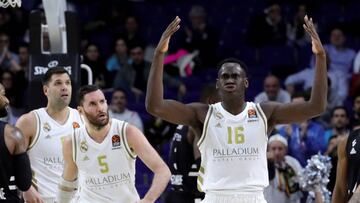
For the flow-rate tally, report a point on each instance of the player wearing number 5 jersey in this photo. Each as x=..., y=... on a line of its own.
x=234, y=132
x=102, y=156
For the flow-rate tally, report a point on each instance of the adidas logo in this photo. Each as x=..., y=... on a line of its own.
x=353, y=149
x=47, y=136
x=218, y=125
x=86, y=158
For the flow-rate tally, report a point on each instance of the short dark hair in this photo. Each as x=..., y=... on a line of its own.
x=53, y=71
x=119, y=89
x=86, y=89
x=232, y=60
x=337, y=108
x=208, y=92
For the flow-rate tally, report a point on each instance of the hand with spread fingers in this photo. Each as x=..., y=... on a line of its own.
x=309, y=27
x=163, y=44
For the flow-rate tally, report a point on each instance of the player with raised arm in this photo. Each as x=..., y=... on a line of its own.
x=234, y=132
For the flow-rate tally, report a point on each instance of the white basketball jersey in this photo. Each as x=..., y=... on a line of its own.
x=233, y=150
x=107, y=169
x=45, y=150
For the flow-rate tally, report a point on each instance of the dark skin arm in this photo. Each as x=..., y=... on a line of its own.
x=170, y=110
x=14, y=140
x=300, y=111
x=340, y=189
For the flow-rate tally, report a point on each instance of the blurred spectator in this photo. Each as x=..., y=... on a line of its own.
x=92, y=58
x=339, y=123
x=132, y=35
x=134, y=77
x=305, y=139
x=8, y=59
x=118, y=109
x=337, y=92
x=15, y=95
x=284, y=187
x=356, y=67
x=24, y=56
x=200, y=36
x=273, y=91
x=295, y=31
x=341, y=58
x=355, y=119
x=269, y=28
x=120, y=58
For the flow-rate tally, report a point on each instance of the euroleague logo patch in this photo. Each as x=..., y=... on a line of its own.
x=115, y=139
x=252, y=115
x=75, y=125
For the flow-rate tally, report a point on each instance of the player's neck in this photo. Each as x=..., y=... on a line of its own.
x=97, y=133
x=233, y=106
x=58, y=114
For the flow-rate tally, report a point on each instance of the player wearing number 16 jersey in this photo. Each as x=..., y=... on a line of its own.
x=102, y=155
x=233, y=143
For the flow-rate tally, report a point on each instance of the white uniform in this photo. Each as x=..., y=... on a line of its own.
x=45, y=151
x=107, y=169
x=233, y=155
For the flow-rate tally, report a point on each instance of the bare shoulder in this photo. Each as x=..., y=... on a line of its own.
x=15, y=140
x=27, y=124
x=200, y=109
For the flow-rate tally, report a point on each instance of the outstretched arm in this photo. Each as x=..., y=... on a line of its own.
x=68, y=180
x=152, y=160
x=170, y=110
x=296, y=112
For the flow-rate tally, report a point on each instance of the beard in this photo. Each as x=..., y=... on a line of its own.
x=97, y=121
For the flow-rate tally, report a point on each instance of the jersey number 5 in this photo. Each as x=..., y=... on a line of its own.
x=104, y=166
x=236, y=134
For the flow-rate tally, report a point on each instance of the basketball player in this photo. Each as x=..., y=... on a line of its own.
x=45, y=129
x=103, y=153
x=15, y=171
x=348, y=170
x=234, y=132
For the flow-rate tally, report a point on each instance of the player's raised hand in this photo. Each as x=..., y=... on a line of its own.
x=309, y=27
x=163, y=44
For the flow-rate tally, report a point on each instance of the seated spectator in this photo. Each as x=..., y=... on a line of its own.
x=8, y=59
x=200, y=36
x=132, y=35
x=118, y=109
x=341, y=59
x=268, y=29
x=295, y=31
x=337, y=91
x=92, y=59
x=273, y=91
x=120, y=58
x=305, y=139
x=284, y=187
x=134, y=77
x=339, y=123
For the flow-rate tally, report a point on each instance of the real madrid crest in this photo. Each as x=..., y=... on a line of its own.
x=83, y=146
x=46, y=127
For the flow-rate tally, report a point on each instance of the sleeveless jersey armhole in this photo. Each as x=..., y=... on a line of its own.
x=205, y=128
x=262, y=116
x=38, y=129
x=122, y=129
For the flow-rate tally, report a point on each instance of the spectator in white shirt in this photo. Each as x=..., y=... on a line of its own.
x=273, y=91
x=118, y=109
